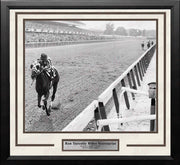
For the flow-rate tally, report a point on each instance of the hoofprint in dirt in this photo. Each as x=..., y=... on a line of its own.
x=86, y=70
x=139, y=107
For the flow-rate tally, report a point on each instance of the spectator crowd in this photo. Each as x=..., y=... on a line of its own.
x=56, y=32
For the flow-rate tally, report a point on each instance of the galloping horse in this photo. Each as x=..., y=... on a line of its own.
x=43, y=84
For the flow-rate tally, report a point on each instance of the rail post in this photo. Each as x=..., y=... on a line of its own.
x=144, y=66
x=146, y=56
x=116, y=102
x=130, y=84
x=141, y=66
x=125, y=95
x=152, y=95
x=96, y=116
x=145, y=62
x=140, y=74
x=137, y=77
x=133, y=79
x=102, y=113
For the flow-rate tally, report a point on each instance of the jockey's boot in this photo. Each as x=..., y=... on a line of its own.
x=53, y=73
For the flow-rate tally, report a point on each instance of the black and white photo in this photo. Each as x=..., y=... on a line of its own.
x=70, y=64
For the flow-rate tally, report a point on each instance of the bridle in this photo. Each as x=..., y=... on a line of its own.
x=36, y=68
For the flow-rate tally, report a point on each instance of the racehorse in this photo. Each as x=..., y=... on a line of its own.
x=44, y=84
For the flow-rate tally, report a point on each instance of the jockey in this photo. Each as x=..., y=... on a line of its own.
x=46, y=64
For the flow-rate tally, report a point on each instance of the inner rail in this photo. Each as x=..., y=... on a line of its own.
x=134, y=74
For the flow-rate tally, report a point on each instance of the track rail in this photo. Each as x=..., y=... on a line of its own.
x=134, y=74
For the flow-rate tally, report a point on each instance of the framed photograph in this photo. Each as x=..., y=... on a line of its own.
x=92, y=81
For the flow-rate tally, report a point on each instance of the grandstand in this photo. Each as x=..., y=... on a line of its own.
x=57, y=31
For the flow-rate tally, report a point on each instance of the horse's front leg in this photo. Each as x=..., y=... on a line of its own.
x=39, y=100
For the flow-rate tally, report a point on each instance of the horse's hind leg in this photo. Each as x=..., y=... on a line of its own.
x=39, y=100
x=45, y=103
x=54, y=91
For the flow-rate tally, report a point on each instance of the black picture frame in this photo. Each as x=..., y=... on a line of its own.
x=98, y=4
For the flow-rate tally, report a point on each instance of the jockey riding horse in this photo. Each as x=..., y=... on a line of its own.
x=46, y=64
x=46, y=76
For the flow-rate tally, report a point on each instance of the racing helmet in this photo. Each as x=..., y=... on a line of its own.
x=44, y=57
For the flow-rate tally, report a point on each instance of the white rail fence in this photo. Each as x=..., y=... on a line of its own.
x=82, y=120
x=104, y=122
x=134, y=76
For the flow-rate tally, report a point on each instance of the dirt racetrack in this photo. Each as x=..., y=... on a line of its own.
x=86, y=70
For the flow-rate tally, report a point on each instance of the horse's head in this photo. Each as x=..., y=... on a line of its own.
x=35, y=69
